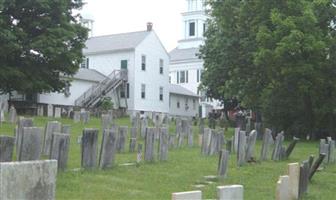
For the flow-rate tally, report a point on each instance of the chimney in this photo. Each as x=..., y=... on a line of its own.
x=149, y=26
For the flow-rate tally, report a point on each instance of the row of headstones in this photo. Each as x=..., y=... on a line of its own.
x=212, y=141
x=83, y=116
x=11, y=115
x=295, y=184
x=327, y=147
x=229, y=192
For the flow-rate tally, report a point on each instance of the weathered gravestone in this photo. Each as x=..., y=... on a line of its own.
x=223, y=163
x=121, y=140
x=12, y=115
x=2, y=116
x=171, y=140
x=22, y=122
x=266, y=144
x=324, y=149
x=6, y=148
x=293, y=181
x=30, y=145
x=252, y=138
x=77, y=116
x=236, y=139
x=278, y=148
x=191, y=195
x=143, y=128
x=282, y=188
x=213, y=143
x=230, y=192
x=316, y=165
x=206, y=140
x=58, y=112
x=241, y=148
x=229, y=145
x=133, y=139
x=66, y=129
x=60, y=145
x=85, y=116
x=105, y=121
x=304, y=178
x=201, y=126
x=163, y=144
x=89, y=148
x=51, y=128
x=291, y=146
x=28, y=180
x=50, y=110
x=108, y=148
x=221, y=140
x=149, y=144
x=331, y=157
x=190, y=136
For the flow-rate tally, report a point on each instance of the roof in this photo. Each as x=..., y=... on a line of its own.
x=184, y=54
x=115, y=42
x=177, y=89
x=89, y=75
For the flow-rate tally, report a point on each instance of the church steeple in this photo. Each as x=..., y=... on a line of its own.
x=193, y=24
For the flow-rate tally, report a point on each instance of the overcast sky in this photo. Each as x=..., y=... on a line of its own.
x=119, y=16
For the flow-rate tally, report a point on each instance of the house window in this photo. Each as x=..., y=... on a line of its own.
x=192, y=29
x=178, y=77
x=186, y=106
x=143, y=62
x=199, y=75
x=85, y=63
x=187, y=76
x=122, y=91
x=127, y=91
x=178, y=104
x=143, y=91
x=123, y=64
x=161, y=66
x=204, y=28
x=161, y=94
x=169, y=79
x=184, y=76
x=194, y=104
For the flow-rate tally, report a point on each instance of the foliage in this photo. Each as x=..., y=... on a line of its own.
x=106, y=103
x=276, y=57
x=41, y=42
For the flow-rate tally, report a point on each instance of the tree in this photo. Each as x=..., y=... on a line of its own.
x=276, y=57
x=41, y=42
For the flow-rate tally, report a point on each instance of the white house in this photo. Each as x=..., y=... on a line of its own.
x=185, y=67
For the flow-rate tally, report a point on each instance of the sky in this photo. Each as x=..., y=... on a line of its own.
x=120, y=16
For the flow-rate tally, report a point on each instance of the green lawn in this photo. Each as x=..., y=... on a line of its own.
x=184, y=168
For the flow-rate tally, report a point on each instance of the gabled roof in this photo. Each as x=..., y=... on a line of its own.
x=115, y=42
x=184, y=54
x=177, y=89
x=89, y=75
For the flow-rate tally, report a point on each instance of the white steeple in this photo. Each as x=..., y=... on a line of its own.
x=193, y=23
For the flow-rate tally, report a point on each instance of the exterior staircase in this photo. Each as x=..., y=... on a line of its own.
x=96, y=93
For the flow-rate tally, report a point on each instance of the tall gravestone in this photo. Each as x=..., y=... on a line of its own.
x=108, y=148
x=293, y=181
x=223, y=163
x=50, y=110
x=163, y=144
x=252, y=138
x=51, y=128
x=121, y=140
x=77, y=116
x=236, y=139
x=85, y=116
x=149, y=144
x=266, y=144
x=60, y=145
x=133, y=139
x=105, y=121
x=277, y=151
x=22, y=122
x=89, y=148
x=144, y=125
x=206, y=140
x=58, y=112
x=12, y=115
x=6, y=148
x=28, y=180
x=30, y=145
x=190, y=136
x=241, y=148
x=282, y=188
x=304, y=178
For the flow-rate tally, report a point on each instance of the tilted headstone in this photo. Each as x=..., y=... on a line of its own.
x=223, y=163
x=28, y=180
x=51, y=127
x=30, y=145
x=163, y=144
x=12, y=115
x=266, y=144
x=241, y=148
x=291, y=146
x=230, y=192
x=236, y=138
x=22, y=122
x=294, y=178
x=282, y=188
x=311, y=161
x=133, y=139
x=149, y=144
x=304, y=175
x=89, y=148
x=60, y=145
x=121, y=140
x=108, y=148
x=316, y=165
x=77, y=116
x=66, y=129
x=252, y=138
x=6, y=148
x=277, y=151
x=194, y=195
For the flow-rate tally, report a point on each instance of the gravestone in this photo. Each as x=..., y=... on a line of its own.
x=60, y=145
x=293, y=181
x=229, y=146
x=58, y=112
x=105, y=120
x=316, y=165
x=30, y=145
x=282, y=189
x=89, y=148
x=149, y=144
x=252, y=138
x=331, y=151
x=230, y=192
x=304, y=178
x=191, y=195
x=223, y=163
x=171, y=141
x=77, y=116
x=184, y=126
x=51, y=127
x=133, y=139
x=235, y=141
x=163, y=144
x=121, y=140
x=66, y=129
x=12, y=115
x=144, y=125
x=85, y=116
x=277, y=151
x=139, y=154
x=6, y=148
x=241, y=148
x=2, y=116
x=291, y=146
x=22, y=122
x=40, y=110
x=50, y=110
x=206, y=140
x=28, y=180
x=190, y=137
x=213, y=143
x=108, y=148
x=324, y=149
x=311, y=160
x=266, y=144
x=221, y=140
x=201, y=126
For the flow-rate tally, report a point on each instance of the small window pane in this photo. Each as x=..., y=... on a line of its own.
x=143, y=62
x=143, y=91
x=192, y=29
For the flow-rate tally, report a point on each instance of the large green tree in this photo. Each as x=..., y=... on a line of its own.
x=276, y=57
x=41, y=41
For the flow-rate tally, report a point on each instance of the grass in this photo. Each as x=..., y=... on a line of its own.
x=185, y=167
